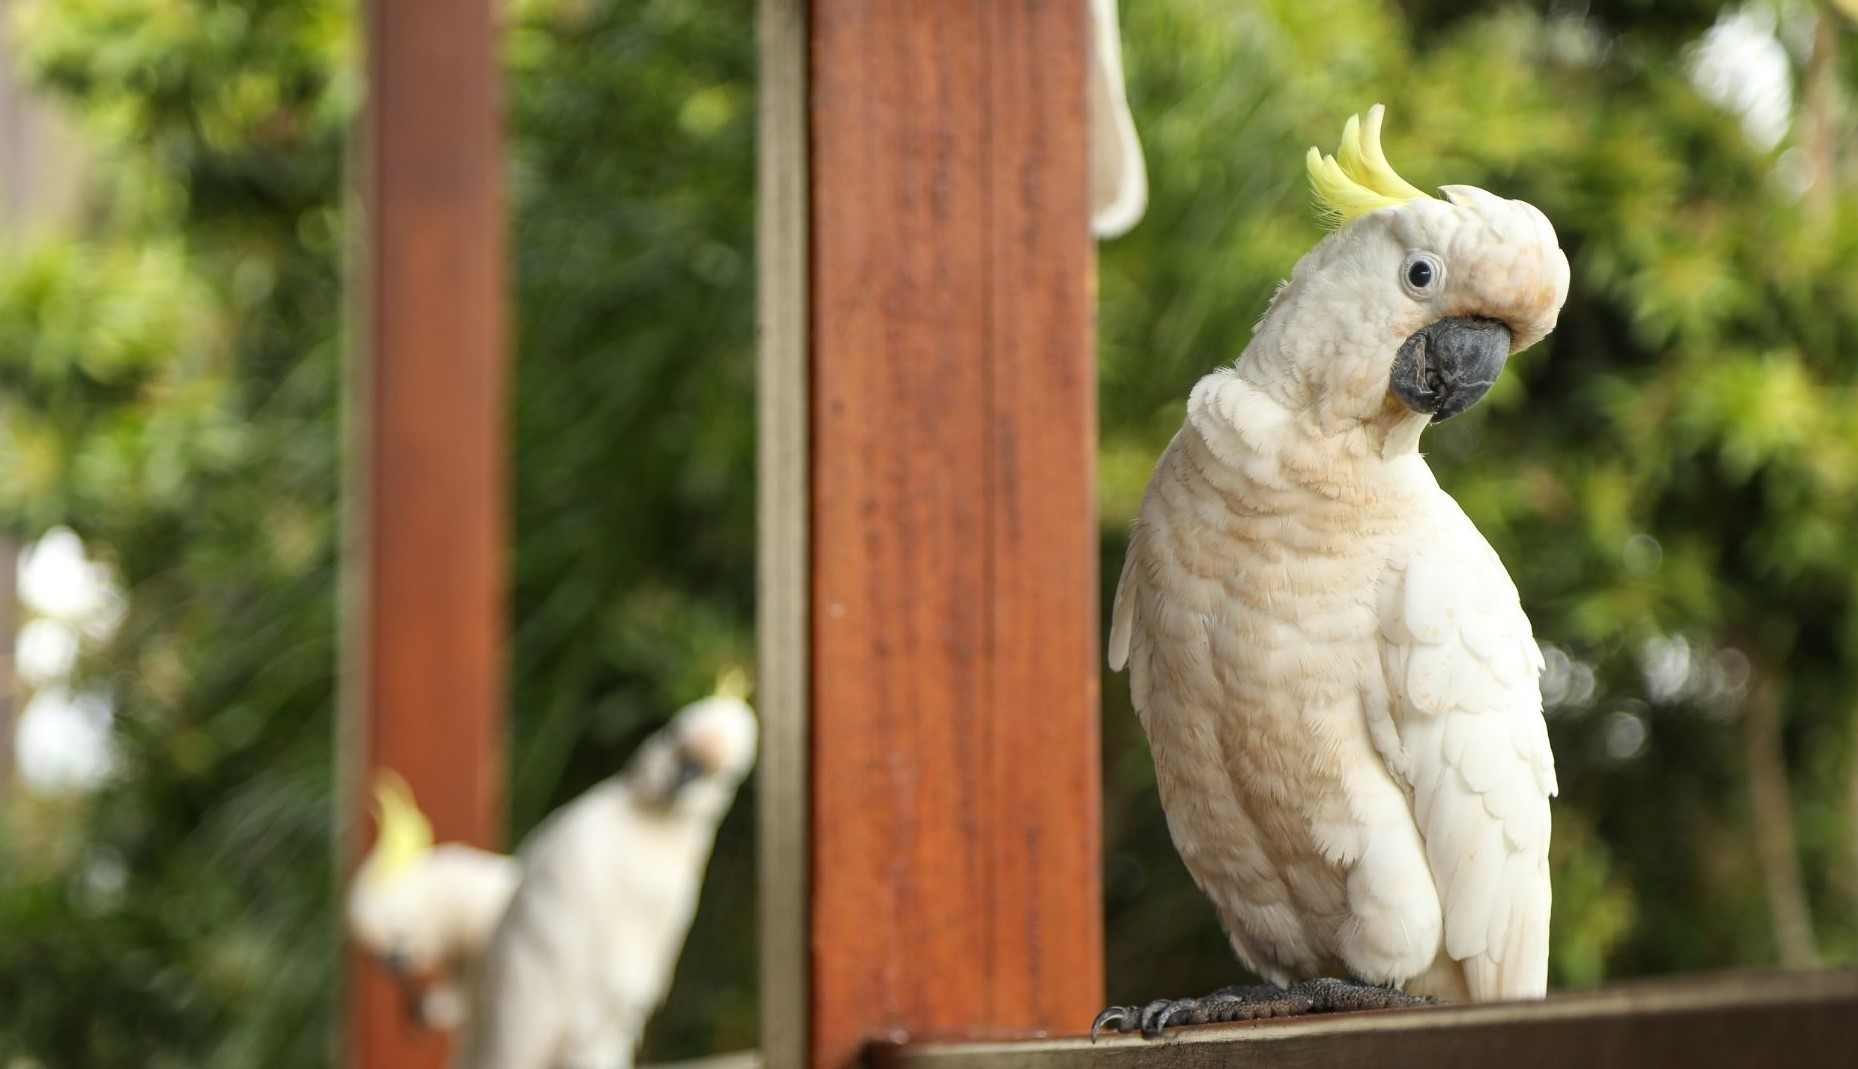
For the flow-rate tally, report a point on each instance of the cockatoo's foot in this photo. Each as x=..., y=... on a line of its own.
x=1253, y=1003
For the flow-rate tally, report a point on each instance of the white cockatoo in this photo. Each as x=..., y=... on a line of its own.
x=1118, y=178
x=586, y=949
x=1333, y=669
x=426, y=912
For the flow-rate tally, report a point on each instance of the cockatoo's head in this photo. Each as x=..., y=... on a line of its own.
x=1406, y=314
x=385, y=909
x=694, y=764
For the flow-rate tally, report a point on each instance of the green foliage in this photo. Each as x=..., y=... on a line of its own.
x=634, y=131
x=169, y=388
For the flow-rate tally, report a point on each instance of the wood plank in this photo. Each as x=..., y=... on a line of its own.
x=782, y=514
x=425, y=650
x=954, y=724
x=1726, y=1021
x=746, y=1059
x=1042, y=477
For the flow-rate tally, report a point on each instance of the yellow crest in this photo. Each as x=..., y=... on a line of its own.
x=1357, y=179
x=404, y=834
x=734, y=683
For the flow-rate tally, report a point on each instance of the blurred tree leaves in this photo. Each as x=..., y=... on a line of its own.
x=634, y=132
x=169, y=383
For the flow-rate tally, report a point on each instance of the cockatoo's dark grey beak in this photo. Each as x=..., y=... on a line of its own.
x=1445, y=367
x=689, y=770
x=679, y=768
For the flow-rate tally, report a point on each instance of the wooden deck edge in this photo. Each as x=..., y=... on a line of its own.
x=1727, y=1019
x=742, y=1059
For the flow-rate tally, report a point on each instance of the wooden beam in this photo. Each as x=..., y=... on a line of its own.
x=954, y=799
x=782, y=515
x=424, y=651
x=1730, y=1021
x=744, y=1059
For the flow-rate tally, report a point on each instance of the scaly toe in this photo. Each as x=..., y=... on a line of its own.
x=1153, y=1012
x=1176, y=1011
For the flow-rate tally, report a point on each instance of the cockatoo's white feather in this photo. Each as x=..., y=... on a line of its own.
x=1464, y=671
x=1336, y=677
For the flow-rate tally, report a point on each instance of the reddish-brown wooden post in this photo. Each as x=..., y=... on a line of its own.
x=950, y=717
x=425, y=647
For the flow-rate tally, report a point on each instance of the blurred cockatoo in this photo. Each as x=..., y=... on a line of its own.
x=1119, y=181
x=1333, y=668
x=586, y=949
x=426, y=912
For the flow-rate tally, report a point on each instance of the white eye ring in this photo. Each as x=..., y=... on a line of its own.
x=1421, y=274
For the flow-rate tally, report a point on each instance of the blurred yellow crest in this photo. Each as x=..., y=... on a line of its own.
x=1357, y=179
x=734, y=683
x=405, y=835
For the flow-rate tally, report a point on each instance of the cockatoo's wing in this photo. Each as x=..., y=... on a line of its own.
x=1465, y=731
x=1119, y=179
x=1148, y=539
x=1122, y=615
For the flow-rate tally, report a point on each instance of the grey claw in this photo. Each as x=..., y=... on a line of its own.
x=1117, y=1017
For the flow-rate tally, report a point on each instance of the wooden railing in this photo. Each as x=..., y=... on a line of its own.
x=1783, y=1020
x=1803, y=1020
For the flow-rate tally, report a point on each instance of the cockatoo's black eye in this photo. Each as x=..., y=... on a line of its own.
x=1421, y=273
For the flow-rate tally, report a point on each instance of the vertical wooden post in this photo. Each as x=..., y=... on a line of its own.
x=782, y=503
x=425, y=647
x=953, y=790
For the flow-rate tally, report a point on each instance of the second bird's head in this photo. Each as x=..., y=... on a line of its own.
x=386, y=911
x=694, y=764
x=1407, y=313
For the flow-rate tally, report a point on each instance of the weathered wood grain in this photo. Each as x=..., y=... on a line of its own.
x=424, y=653
x=783, y=579
x=954, y=799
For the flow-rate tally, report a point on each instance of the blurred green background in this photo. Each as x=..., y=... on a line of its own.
x=1672, y=478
